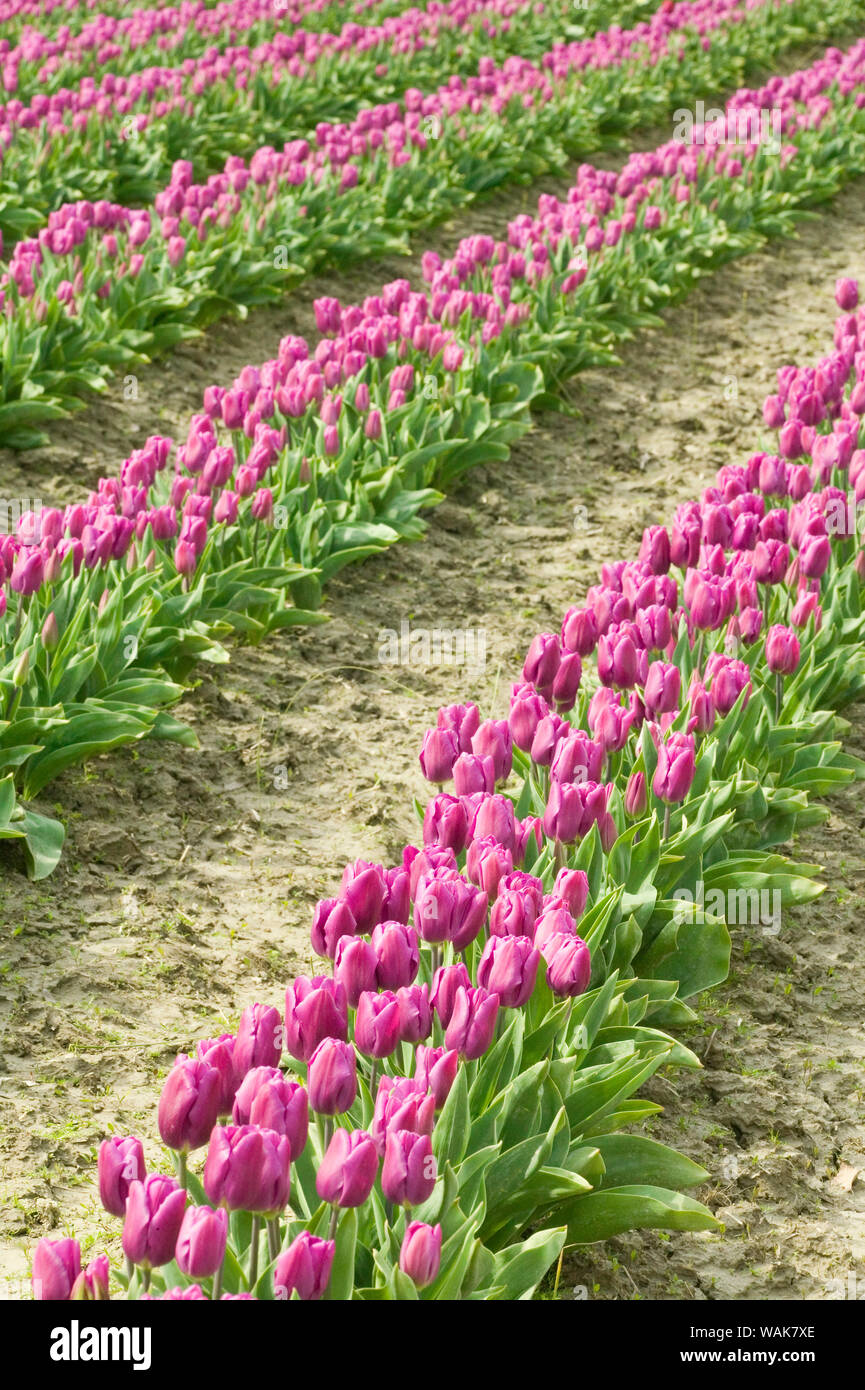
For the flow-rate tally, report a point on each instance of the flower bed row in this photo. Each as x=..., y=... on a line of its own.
x=116, y=138
x=103, y=285
x=462, y=1073
x=332, y=455
x=34, y=60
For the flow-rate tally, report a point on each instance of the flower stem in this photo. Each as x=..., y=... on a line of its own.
x=779, y=695
x=666, y=834
x=274, y=1239
x=334, y=1221
x=217, y=1282
x=253, y=1252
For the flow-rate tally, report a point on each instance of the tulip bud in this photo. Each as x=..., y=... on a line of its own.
x=676, y=768
x=259, y=1039
x=314, y=1009
x=508, y=967
x=408, y=1173
x=355, y=966
x=376, y=1024
x=473, y=1021
x=782, y=650
x=189, y=1104
x=304, y=1268
x=268, y=1099
x=569, y=966
x=332, y=922
x=420, y=1255
x=120, y=1163
x=50, y=635
x=332, y=1077
x=201, y=1241
x=636, y=795
x=247, y=1169
x=401, y=1104
x=92, y=1283
x=435, y=1070
x=154, y=1212
x=348, y=1170
x=438, y=754
x=415, y=1017
x=56, y=1267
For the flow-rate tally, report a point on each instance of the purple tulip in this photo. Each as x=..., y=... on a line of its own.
x=508, y=967
x=332, y=921
x=580, y=631
x=572, y=888
x=354, y=966
x=396, y=950
x=513, y=913
x=472, y=1022
x=219, y=1053
x=421, y=1253
x=189, y=1104
x=554, y=921
x=447, y=908
x=397, y=897
x=676, y=768
x=445, y=822
x=415, y=1017
x=304, y=1268
x=348, y=1170
x=438, y=754
x=247, y=1169
x=447, y=980
x=528, y=708
x=332, y=1078
x=120, y=1163
x=92, y=1283
x=402, y=1104
x=408, y=1174
x=314, y=1009
x=701, y=706
x=259, y=1039
x=493, y=740
x=847, y=294
x=487, y=862
x=636, y=795
x=542, y=663
x=569, y=966
x=494, y=815
x=782, y=650
x=56, y=1266
x=268, y=1099
x=567, y=682
x=729, y=679
x=201, y=1241
x=436, y=1070
x=364, y=890
x=376, y=1024
x=463, y=721
x=662, y=689
x=154, y=1212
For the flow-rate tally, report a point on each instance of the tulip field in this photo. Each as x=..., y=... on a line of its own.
x=326, y=976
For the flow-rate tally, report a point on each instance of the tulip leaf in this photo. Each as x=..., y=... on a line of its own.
x=451, y=1133
x=341, y=1283
x=600, y=1215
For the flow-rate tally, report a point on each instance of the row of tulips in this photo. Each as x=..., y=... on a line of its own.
x=116, y=137
x=461, y=1072
x=36, y=59
x=103, y=284
x=331, y=456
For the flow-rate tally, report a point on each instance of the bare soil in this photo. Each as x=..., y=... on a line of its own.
x=188, y=882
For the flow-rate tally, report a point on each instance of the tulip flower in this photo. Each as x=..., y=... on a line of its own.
x=508, y=967
x=376, y=1025
x=56, y=1266
x=189, y=1105
x=492, y=739
x=364, y=889
x=270, y=1100
x=120, y=1163
x=420, y=1255
x=847, y=294
x=636, y=795
x=513, y=913
x=304, y=1268
x=438, y=755
x=675, y=770
x=348, y=1170
x=247, y=1169
x=569, y=966
x=408, y=1174
x=154, y=1212
x=487, y=862
x=332, y=1078
x=472, y=774
x=314, y=1009
x=396, y=950
x=92, y=1283
x=201, y=1241
x=332, y=921
x=542, y=663
x=259, y=1039
x=402, y=1104
x=415, y=1017
x=782, y=656
x=435, y=1071
x=354, y=966
x=472, y=1022
x=662, y=689
x=445, y=821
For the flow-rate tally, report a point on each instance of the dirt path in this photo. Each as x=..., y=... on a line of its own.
x=189, y=878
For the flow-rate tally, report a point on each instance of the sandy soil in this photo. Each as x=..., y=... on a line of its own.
x=187, y=885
